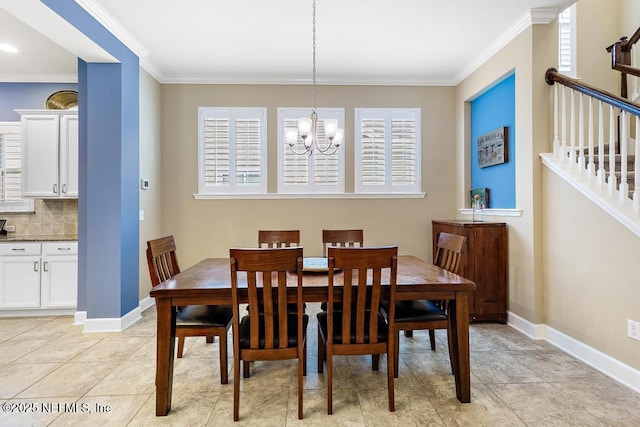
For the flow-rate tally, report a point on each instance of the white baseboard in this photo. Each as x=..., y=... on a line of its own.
x=36, y=312
x=604, y=363
x=116, y=324
x=79, y=317
x=147, y=303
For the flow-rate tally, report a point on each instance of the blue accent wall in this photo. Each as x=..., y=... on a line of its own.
x=493, y=109
x=26, y=96
x=108, y=203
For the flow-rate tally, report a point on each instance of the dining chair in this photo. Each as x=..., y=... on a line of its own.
x=278, y=238
x=192, y=320
x=359, y=327
x=429, y=314
x=341, y=238
x=273, y=332
x=275, y=239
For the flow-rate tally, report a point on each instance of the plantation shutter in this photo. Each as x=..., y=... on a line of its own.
x=326, y=168
x=12, y=168
x=373, y=152
x=387, y=150
x=565, y=48
x=216, y=152
x=403, y=152
x=232, y=150
x=296, y=166
x=248, y=152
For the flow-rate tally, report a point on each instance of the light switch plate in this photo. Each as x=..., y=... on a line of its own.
x=144, y=184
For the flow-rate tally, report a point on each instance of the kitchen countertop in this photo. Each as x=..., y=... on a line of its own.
x=10, y=238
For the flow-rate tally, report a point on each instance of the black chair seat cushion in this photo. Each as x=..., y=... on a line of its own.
x=204, y=315
x=337, y=326
x=292, y=328
x=418, y=311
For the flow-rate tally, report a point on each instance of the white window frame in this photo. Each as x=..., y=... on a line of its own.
x=26, y=204
x=232, y=114
x=310, y=187
x=388, y=115
x=567, y=26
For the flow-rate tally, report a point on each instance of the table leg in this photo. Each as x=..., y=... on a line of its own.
x=460, y=325
x=166, y=339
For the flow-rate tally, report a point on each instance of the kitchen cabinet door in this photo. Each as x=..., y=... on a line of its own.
x=20, y=282
x=40, y=150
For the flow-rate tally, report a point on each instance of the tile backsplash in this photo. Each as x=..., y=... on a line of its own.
x=51, y=218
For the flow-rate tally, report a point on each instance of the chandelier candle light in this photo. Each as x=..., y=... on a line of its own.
x=308, y=127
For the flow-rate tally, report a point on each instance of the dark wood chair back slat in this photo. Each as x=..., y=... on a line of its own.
x=278, y=238
x=448, y=251
x=162, y=259
x=341, y=238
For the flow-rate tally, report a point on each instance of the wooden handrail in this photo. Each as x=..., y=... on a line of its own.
x=552, y=76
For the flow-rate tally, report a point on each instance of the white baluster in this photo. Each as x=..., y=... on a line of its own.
x=612, y=181
x=572, y=130
x=581, y=162
x=636, y=173
x=601, y=170
x=624, y=186
x=556, y=142
x=591, y=168
x=564, y=125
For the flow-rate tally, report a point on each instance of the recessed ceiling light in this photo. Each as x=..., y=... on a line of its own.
x=6, y=47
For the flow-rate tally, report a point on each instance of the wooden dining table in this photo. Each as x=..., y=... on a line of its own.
x=209, y=282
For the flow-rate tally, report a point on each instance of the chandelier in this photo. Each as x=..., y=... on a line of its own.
x=308, y=127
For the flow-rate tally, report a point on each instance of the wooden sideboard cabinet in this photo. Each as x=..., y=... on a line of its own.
x=483, y=260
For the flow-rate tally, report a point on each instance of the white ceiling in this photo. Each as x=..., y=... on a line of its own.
x=258, y=41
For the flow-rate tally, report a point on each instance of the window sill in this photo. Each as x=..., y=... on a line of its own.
x=272, y=196
x=492, y=212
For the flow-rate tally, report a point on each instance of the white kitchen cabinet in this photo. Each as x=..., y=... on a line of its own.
x=59, y=274
x=38, y=275
x=49, y=153
x=20, y=275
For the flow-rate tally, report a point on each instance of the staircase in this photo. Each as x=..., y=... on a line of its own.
x=587, y=124
x=617, y=167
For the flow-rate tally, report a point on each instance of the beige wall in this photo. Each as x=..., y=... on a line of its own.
x=591, y=272
x=525, y=288
x=150, y=227
x=596, y=29
x=207, y=228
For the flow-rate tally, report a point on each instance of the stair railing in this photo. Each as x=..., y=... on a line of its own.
x=615, y=116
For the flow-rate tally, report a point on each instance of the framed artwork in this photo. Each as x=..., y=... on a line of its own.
x=480, y=198
x=492, y=147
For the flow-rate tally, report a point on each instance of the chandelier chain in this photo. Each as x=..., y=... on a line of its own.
x=314, y=55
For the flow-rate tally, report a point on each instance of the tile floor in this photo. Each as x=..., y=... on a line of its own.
x=53, y=374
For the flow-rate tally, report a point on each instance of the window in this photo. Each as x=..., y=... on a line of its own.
x=567, y=42
x=304, y=173
x=387, y=150
x=232, y=153
x=11, y=170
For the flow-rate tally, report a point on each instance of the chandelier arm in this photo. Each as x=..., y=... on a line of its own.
x=327, y=148
x=301, y=152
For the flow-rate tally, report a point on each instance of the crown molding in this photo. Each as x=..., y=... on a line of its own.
x=533, y=16
x=113, y=26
